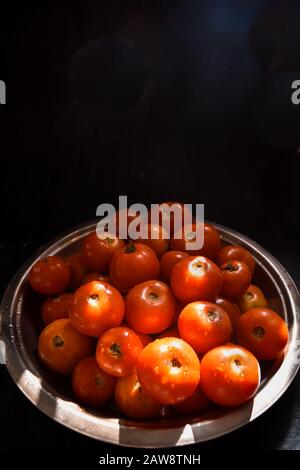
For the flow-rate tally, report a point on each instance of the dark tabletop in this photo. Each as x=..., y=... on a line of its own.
x=158, y=100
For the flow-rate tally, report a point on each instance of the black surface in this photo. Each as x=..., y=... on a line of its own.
x=164, y=100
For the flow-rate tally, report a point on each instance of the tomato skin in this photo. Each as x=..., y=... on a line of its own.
x=170, y=333
x=156, y=367
x=97, y=253
x=194, y=404
x=77, y=269
x=133, y=400
x=236, y=279
x=231, y=308
x=252, y=298
x=167, y=219
x=61, y=347
x=230, y=375
x=211, y=242
x=132, y=265
x=117, y=351
x=95, y=307
x=55, y=308
x=196, y=278
x=93, y=276
x=150, y=307
x=168, y=262
x=145, y=339
x=157, y=239
x=50, y=276
x=91, y=385
x=235, y=252
x=204, y=325
x=263, y=332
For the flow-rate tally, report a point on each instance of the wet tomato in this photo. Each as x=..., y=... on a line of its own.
x=231, y=308
x=211, y=241
x=50, y=276
x=236, y=279
x=157, y=239
x=235, y=252
x=168, y=262
x=97, y=253
x=55, y=308
x=253, y=297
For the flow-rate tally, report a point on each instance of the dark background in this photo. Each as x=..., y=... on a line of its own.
x=158, y=100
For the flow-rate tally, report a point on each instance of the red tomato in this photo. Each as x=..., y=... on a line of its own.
x=169, y=370
x=170, y=333
x=157, y=239
x=196, y=278
x=211, y=243
x=77, y=269
x=230, y=375
x=253, y=297
x=263, y=332
x=168, y=262
x=61, y=347
x=145, y=339
x=55, y=308
x=204, y=325
x=50, y=276
x=236, y=279
x=194, y=404
x=235, y=252
x=95, y=307
x=93, y=276
x=150, y=307
x=91, y=385
x=231, y=308
x=132, y=399
x=132, y=265
x=173, y=215
x=117, y=351
x=97, y=253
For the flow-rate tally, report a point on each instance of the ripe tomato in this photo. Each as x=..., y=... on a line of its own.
x=93, y=276
x=169, y=370
x=157, y=239
x=55, y=308
x=168, y=261
x=204, y=325
x=95, y=307
x=253, y=297
x=211, y=243
x=50, y=276
x=77, y=269
x=196, y=278
x=230, y=375
x=117, y=351
x=235, y=252
x=133, y=400
x=236, y=278
x=97, y=253
x=231, y=308
x=91, y=385
x=61, y=347
x=132, y=265
x=263, y=332
x=170, y=222
x=145, y=339
x=170, y=333
x=150, y=307
x=194, y=404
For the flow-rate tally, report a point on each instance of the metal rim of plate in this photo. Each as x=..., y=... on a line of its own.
x=112, y=430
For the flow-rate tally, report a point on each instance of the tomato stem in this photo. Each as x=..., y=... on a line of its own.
x=116, y=350
x=57, y=341
x=258, y=331
x=130, y=248
x=230, y=267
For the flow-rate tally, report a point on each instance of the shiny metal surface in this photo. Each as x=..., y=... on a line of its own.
x=20, y=325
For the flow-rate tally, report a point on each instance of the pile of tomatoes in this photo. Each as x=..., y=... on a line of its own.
x=153, y=325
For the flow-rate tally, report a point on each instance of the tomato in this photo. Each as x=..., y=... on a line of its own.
x=133, y=400
x=95, y=307
x=168, y=261
x=50, y=276
x=211, y=242
x=97, y=253
x=157, y=239
x=235, y=252
x=230, y=375
x=236, y=279
x=253, y=297
x=117, y=351
x=91, y=385
x=77, y=268
x=204, y=325
x=132, y=265
x=93, y=276
x=231, y=308
x=194, y=404
x=150, y=307
x=263, y=332
x=61, y=347
x=169, y=370
x=145, y=339
x=170, y=222
x=55, y=308
x=170, y=333
x=196, y=278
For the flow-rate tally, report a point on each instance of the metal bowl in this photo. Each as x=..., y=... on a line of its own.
x=21, y=324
